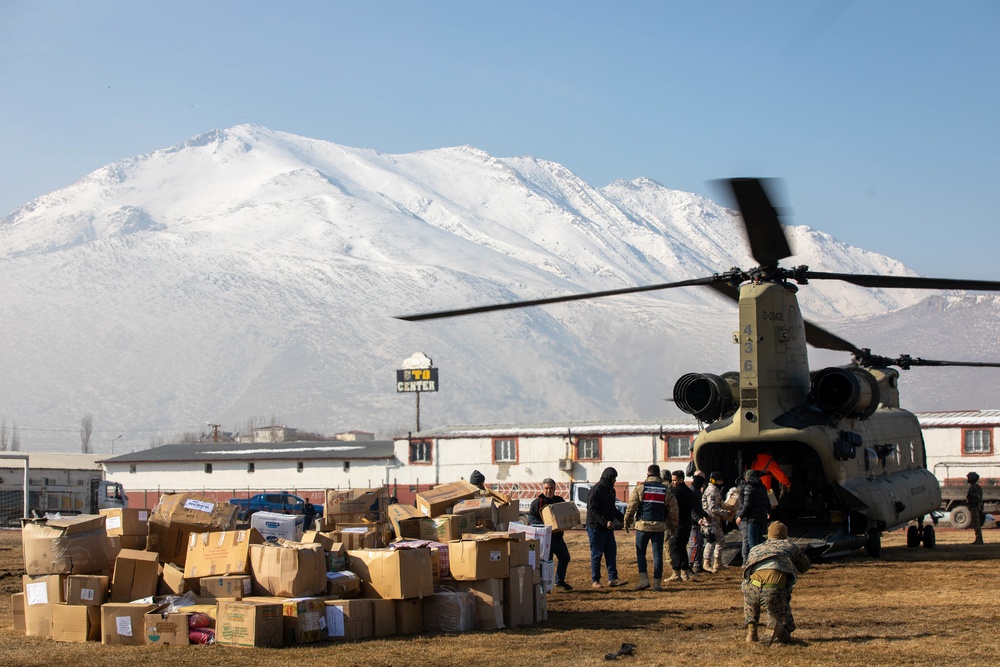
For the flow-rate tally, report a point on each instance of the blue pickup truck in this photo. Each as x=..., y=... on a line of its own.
x=280, y=502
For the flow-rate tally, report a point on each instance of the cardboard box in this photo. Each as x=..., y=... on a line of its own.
x=355, y=504
x=249, y=624
x=288, y=569
x=547, y=577
x=17, y=611
x=172, y=581
x=44, y=589
x=350, y=619
x=126, y=521
x=229, y=586
x=541, y=604
x=136, y=576
x=541, y=533
x=450, y=612
x=495, y=510
x=118, y=542
x=166, y=629
x=304, y=620
x=358, y=537
x=87, y=589
x=73, y=623
x=217, y=553
x=440, y=565
x=342, y=585
x=327, y=540
x=38, y=619
x=408, y=522
x=507, y=510
x=393, y=574
x=336, y=557
x=519, y=597
x=489, y=602
x=178, y=515
x=484, y=557
x=409, y=616
x=561, y=516
x=273, y=526
x=124, y=623
x=384, y=617
x=452, y=526
x=73, y=545
x=441, y=498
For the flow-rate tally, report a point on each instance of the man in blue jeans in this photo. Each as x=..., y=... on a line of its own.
x=601, y=514
x=653, y=510
x=754, y=509
x=559, y=549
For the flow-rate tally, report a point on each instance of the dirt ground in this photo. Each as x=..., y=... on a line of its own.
x=911, y=607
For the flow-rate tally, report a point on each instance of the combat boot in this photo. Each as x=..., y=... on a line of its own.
x=687, y=576
x=719, y=565
x=643, y=582
x=657, y=586
x=751, y=633
x=707, y=566
x=676, y=576
x=779, y=635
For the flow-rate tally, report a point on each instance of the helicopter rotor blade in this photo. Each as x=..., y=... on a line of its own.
x=767, y=239
x=905, y=362
x=558, y=299
x=905, y=282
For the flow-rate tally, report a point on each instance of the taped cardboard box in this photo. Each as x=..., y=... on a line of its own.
x=441, y=498
x=288, y=569
x=166, y=629
x=17, y=611
x=304, y=620
x=178, y=515
x=87, y=589
x=73, y=545
x=173, y=582
x=519, y=597
x=326, y=540
x=358, y=537
x=384, y=617
x=273, y=526
x=118, y=542
x=393, y=574
x=345, y=584
x=480, y=557
x=336, y=557
x=217, y=553
x=408, y=522
x=489, y=602
x=38, y=619
x=453, y=526
x=350, y=619
x=450, y=611
x=126, y=521
x=355, y=504
x=541, y=604
x=547, y=575
x=74, y=623
x=409, y=616
x=124, y=622
x=136, y=576
x=541, y=533
x=44, y=588
x=440, y=565
x=561, y=516
x=249, y=624
x=229, y=586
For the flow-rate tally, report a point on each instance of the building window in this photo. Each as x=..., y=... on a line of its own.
x=977, y=441
x=420, y=451
x=300, y=466
x=679, y=447
x=131, y=467
x=347, y=466
x=588, y=449
x=208, y=468
x=505, y=450
x=251, y=467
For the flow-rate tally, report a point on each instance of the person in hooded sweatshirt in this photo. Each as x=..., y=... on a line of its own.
x=601, y=515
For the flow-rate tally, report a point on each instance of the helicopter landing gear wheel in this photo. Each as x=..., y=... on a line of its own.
x=961, y=517
x=912, y=537
x=929, y=539
x=874, y=544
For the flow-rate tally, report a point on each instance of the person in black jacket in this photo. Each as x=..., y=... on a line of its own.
x=696, y=545
x=601, y=514
x=752, y=514
x=678, y=542
x=559, y=549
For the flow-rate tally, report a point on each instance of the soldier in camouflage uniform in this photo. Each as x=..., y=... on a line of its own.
x=974, y=498
x=768, y=577
x=711, y=502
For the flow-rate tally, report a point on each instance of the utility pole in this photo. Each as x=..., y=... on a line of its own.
x=215, y=431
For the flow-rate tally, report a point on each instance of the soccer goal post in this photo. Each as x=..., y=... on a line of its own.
x=14, y=498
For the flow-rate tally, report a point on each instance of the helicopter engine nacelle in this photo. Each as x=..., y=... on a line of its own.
x=850, y=392
x=708, y=397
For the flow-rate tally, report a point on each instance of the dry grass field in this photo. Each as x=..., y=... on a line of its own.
x=911, y=607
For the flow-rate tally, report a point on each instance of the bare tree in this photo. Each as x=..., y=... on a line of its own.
x=4, y=436
x=86, y=429
x=15, y=439
x=155, y=441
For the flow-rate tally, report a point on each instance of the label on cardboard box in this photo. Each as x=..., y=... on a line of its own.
x=495, y=555
x=123, y=625
x=86, y=593
x=113, y=523
x=36, y=593
x=199, y=505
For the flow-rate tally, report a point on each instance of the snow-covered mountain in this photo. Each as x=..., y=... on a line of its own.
x=254, y=273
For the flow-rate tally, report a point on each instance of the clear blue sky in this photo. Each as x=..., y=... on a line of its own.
x=882, y=116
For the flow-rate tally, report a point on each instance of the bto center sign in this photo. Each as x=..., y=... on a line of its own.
x=418, y=379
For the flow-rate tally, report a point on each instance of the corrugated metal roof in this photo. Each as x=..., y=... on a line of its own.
x=959, y=418
x=55, y=461
x=260, y=451
x=621, y=427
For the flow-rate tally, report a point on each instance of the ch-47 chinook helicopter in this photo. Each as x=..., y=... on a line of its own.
x=854, y=458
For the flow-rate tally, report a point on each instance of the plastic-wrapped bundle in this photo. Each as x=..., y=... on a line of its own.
x=450, y=612
x=199, y=620
x=201, y=636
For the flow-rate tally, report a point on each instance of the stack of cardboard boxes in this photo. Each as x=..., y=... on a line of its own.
x=104, y=577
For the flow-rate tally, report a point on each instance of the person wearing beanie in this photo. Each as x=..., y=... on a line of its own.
x=601, y=515
x=677, y=546
x=478, y=479
x=559, y=549
x=752, y=515
x=771, y=569
x=652, y=510
x=711, y=502
x=974, y=499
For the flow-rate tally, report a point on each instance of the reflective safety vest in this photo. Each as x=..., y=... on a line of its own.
x=654, y=498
